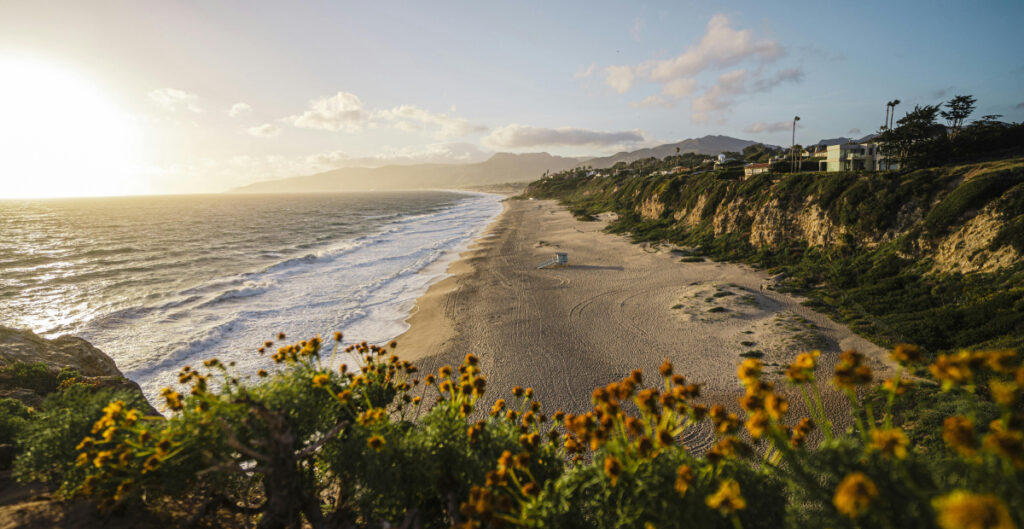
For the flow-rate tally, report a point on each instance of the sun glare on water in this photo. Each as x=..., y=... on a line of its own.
x=60, y=136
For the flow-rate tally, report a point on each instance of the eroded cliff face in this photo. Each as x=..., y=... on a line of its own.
x=968, y=249
x=652, y=207
x=771, y=223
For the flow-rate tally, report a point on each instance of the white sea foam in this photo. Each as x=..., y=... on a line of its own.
x=364, y=286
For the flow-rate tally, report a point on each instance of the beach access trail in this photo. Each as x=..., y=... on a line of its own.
x=616, y=307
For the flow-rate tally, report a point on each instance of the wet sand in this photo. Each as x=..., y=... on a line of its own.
x=617, y=306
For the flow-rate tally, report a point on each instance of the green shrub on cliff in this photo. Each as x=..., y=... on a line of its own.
x=378, y=445
x=46, y=443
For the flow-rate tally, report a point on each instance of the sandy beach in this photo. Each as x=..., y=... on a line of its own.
x=617, y=306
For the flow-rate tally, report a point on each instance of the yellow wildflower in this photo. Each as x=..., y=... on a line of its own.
x=103, y=457
x=906, y=354
x=890, y=442
x=1008, y=444
x=1001, y=361
x=152, y=463
x=965, y=510
x=376, y=442
x=749, y=371
x=952, y=369
x=1004, y=393
x=851, y=371
x=320, y=380
x=958, y=433
x=854, y=495
x=684, y=477
x=802, y=369
x=727, y=498
x=612, y=468
x=163, y=447
x=776, y=406
x=757, y=423
x=123, y=489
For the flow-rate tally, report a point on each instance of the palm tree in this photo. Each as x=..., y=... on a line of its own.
x=885, y=124
x=892, y=119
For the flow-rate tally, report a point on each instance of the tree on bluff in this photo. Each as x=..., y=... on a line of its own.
x=912, y=129
x=958, y=110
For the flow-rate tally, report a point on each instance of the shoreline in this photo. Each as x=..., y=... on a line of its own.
x=617, y=306
x=428, y=327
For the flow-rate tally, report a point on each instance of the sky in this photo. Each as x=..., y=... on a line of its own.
x=142, y=97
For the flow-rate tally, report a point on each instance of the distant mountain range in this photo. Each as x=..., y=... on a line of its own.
x=499, y=169
x=704, y=145
x=843, y=140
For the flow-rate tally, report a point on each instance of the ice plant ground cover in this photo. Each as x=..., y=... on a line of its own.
x=379, y=445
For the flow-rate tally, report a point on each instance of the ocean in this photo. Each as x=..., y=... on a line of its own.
x=162, y=282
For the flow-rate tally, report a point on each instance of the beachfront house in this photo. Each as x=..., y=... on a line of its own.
x=855, y=157
x=752, y=169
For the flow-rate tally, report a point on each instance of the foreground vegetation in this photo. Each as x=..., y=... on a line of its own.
x=378, y=445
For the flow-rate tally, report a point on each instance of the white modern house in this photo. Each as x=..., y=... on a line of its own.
x=855, y=157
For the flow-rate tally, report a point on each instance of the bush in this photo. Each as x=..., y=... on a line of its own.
x=36, y=377
x=378, y=445
x=46, y=444
x=13, y=417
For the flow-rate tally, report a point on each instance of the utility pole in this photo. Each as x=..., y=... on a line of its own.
x=792, y=147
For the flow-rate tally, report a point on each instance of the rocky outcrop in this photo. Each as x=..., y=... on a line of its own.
x=773, y=224
x=65, y=351
x=94, y=367
x=652, y=207
x=968, y=249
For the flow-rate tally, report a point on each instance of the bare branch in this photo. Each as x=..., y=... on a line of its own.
x=306, y=452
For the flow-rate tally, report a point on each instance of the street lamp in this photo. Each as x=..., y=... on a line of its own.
x=792, y=147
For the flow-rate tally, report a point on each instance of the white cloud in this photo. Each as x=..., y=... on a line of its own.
x=720, y=47
x=761, y=126
x=719, y=96
x=342, y=111
x=266, y=130
x=239, y=109
x=346, y=112
x=517, y=136
x=583, y=73
x=442, y=126
x=173, y=99
x=620, y=78
x=723, y=94
x=431, y=153
x=678, y=88
x=651, y=101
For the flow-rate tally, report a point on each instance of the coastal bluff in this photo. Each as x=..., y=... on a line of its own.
x=63, y=353
x=66, y=351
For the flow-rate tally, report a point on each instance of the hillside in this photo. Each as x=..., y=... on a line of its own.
x=501, y=168
x=704, y=145
x=931, y=257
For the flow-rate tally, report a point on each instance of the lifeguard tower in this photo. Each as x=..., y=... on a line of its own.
x=560, y=259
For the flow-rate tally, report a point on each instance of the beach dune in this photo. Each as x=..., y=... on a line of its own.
x=616, y=307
